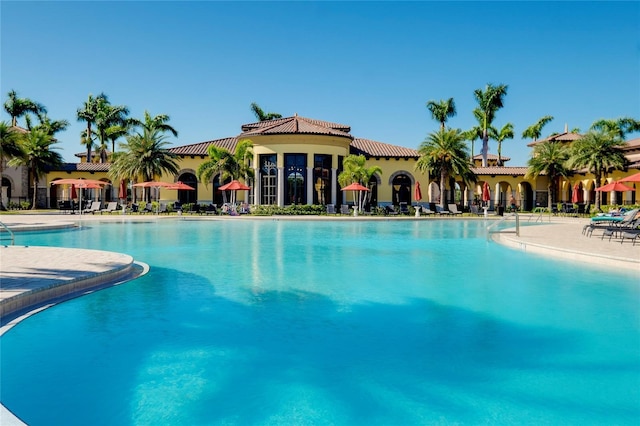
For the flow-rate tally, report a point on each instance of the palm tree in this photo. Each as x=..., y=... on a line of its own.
x=10, y=147
x=88, y=114
x=599, y=151
x=17, y=107
x=144, y=155
x=158, y=122
x=51, y=127
x=442, y=110
x=354, y=170
x=227, y=165
x=38, y=156
x=505, y=133
x=107, y=115
x=549, y=158
x=489, y=102
x=619, y=127
x=535, y=130
x=477, y=132
x=263, y=116
x=445, y=152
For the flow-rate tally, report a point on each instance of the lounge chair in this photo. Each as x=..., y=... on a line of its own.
x=148, y=208
x=112, y=206
x=331, y=209
x=425, y=210
x=453, y=209
x=95, y=207
x=441, y=210
x=404, y=209
x=163, y=209
x=211, y=209
x=390, y=210
x=344, y=209
x=476, y=210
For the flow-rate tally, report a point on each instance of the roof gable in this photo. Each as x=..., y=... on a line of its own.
x=295, y=125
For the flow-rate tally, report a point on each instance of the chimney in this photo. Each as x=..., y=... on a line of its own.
x=566, y=128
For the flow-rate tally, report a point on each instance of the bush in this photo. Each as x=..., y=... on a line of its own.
x=25, y=205
x=293, y=210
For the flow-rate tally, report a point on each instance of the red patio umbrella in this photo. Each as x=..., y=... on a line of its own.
x=74, y=195
x=418, y=192
x=234, y=186
x=153, y=184
x=355, y=186
x=181, y=186
x=614, y=186
x=486, y=193
x=122, y=193
x=632, y=178
x=576, y=195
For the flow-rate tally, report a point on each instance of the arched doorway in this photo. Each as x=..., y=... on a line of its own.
x=526, y=191
x=372, y=195
x=296, y=173
x=187, y=196
x=401, y=189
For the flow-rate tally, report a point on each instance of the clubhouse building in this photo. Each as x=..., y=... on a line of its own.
x=297, y=160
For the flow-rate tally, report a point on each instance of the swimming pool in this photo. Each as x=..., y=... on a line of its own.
x=292, y=322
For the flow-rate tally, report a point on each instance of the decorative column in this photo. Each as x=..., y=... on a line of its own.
x=334, y=186
x=256, y=186
x=280, y=186
x=309, y=185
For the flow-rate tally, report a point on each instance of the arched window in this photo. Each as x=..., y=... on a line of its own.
x=187, y=196
x=401, y=185
x=295, y=166
x=268, y=177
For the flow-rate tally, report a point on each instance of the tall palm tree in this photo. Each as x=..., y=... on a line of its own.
x=38, y=156
x=88, y=113
x=549, y=158
x=442, y=110
x=489, y=102
x=144, y=155
x=535, y=130
x=354, y=169
x=107, y=115
x=263, y=116
x=51, y=127
x=505, y=133
x=159, y=122
x=477, y=132
x=10, y=147
x=599, y=151
x=17, y=107
x=445, y=152
x=228, y=165
x=619, y=127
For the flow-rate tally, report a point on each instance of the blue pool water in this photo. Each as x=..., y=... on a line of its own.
x=343, y=323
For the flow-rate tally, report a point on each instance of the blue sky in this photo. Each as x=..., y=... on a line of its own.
x=370, y=65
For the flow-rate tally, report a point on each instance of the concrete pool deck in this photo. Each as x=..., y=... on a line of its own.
x=34, y=278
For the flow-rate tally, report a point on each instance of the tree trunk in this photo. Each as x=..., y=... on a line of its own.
x=443, y=192
x=485, y=147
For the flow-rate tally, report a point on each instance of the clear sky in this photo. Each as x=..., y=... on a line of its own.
x=370, y=65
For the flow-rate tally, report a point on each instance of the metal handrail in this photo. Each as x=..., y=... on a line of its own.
x=11, y=236
x=505, y=217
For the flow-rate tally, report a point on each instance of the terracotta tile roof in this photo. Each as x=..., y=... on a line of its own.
x=632, y=145
x=370, y=148
x=491, y=157
x=295, y=125
x=503, y=171
x=200, y=149
x=560, y=137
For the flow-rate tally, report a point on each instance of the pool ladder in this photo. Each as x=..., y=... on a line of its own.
x=491, y=230
x=4, y=229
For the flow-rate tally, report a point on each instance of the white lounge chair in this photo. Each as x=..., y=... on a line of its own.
x=453, y=209
x=95, y=207
x=112, y=206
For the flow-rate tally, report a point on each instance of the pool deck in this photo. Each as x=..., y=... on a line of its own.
x=34, y=278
